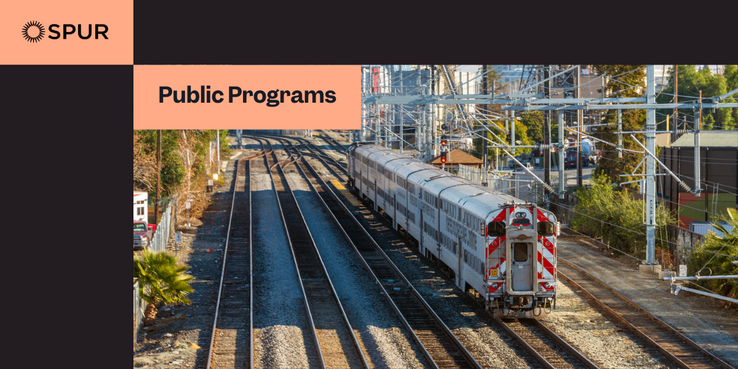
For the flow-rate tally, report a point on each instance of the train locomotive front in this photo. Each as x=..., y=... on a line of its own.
x=496, y=246
x=521, y=259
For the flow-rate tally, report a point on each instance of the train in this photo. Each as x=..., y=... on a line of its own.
x=495, y=247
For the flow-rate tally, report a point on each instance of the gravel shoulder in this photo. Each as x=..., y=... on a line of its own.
x=180, y=335
x=700, y=318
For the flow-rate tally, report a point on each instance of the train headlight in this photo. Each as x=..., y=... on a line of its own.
x=494, y=285
x=548, y=284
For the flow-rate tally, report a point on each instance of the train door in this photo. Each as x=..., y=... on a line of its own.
x=394, y=210
x=376, y=204
x=522, y=266
x=459, y=280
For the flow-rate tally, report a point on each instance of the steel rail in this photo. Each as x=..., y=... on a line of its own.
x=308, y=273
x=565, y=345
x=468, y=358
x=536, y=355
x=584, y=361
x=275, y=163
x=333, y=142
x=649, y=338
x=225, y=262
x=546, y=363
x=377, y=282
x=314, y=248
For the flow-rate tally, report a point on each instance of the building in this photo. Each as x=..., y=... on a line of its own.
x=718, y=175
x=140, y=206
x=456, y=157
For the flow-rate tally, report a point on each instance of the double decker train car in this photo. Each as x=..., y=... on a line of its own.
x=495, y=246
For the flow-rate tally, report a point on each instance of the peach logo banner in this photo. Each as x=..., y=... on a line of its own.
x=46, y=32
x=246, y=97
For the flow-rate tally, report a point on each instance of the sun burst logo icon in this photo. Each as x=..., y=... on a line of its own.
x=33, y=31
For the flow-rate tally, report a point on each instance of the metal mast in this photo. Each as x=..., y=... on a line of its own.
x=650, y=262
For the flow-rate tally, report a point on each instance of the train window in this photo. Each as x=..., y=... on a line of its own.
x=545, y=229
x=520, y=251
x=496, y=229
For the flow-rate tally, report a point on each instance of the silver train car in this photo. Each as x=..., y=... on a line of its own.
x=495, y=246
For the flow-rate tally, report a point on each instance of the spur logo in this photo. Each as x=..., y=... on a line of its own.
x=34, y=31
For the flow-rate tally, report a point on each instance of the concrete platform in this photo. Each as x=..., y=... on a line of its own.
x=654, y=269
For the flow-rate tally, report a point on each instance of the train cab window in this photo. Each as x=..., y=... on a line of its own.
x=520, y=252
x=496, y=229
x=545, y=229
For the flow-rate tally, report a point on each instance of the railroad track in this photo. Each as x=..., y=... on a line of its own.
x=335, y=340
x=659, y=338
x=337, y=168
x=333, y=142
x=543, y=344
x=438, y=343
x=232, y=341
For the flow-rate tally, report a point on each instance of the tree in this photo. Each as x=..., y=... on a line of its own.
x=710, y=258
x=731, y=79
x=624, y=81
x=161, y=281
x=534, y=121
x=172, y=171
x=708, y=121
x=691, y=82
x=183, y=155
x=144, y=164
x=521, y=134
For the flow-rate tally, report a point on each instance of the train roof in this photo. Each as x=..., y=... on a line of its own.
x=475, y=198
x=413, y=167
x=379, y=153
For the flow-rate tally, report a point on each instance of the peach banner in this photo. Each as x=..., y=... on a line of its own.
x=246, y=97
x=66, y=32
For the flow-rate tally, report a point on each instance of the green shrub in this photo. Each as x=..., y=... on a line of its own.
x=715, y=256
x=602, y=211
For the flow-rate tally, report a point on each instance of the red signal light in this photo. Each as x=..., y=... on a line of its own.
x=443, y=157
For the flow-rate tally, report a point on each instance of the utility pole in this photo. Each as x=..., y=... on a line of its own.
x=484, y=131
x=158, y=176
x=697, y=128
x=402, y=123
x=676, y=100
x=512, y=131
x=579, y=129
x=562, y=152
x=547, y=128
x=650, y=263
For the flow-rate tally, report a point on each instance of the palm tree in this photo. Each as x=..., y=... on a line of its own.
x=712, y=256
x=161, y=281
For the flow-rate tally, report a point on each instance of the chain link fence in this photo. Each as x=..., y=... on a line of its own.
x=138, y=311
x=158, y=244
x=517, y=184
x=163, y=231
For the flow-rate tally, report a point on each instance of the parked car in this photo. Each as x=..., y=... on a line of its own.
x=570, y=161
x=142, y=234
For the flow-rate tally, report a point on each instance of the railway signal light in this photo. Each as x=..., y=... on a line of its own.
x=444, y=156
x=444, y=141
